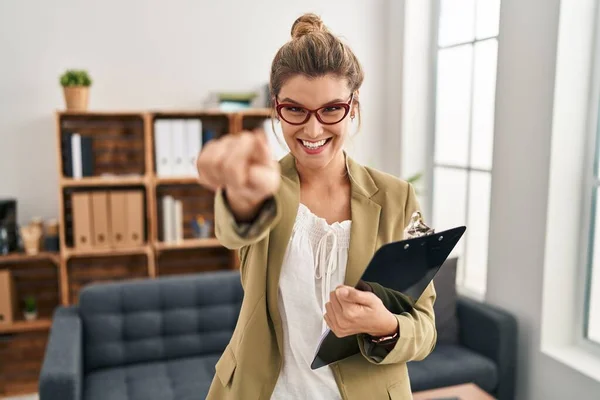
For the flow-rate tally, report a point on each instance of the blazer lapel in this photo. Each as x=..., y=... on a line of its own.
x=288, y=200
x=365, y=222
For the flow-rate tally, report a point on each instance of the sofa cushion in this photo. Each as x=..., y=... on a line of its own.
x=178, y=379
x=131, y=322
x=446, y=320
x=451, y=365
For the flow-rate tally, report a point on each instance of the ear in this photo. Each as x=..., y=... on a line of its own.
x=355, y=107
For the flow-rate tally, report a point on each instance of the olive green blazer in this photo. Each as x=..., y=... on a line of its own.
x=381, y=206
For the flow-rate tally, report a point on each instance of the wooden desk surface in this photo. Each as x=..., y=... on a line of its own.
x=467, y=391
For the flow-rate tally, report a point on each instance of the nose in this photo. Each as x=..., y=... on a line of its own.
x=313, y=128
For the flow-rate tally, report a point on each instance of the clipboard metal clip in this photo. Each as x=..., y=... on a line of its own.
x=416, y=227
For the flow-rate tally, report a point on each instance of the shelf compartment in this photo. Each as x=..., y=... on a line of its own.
x=69, y=219
x=110, y=144
x=39, y=278
x=196, y=200
x=193, y=261
x=85, y=270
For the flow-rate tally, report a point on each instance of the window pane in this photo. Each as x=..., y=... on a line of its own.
x=593, y=310
x=477, y=233
x=488, y=18
x=453, y=95
x=457, y=23
x=484, y=92
x=449, y=205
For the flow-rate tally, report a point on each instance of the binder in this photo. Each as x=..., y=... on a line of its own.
x=162, y=147
x=178, y=223
x=76, y=166
x=100, y=215
x=407, y=267
x=193, y=144
x=168, y=219
x=135, y=218
x=179, y=152
x=118, y=218
x=82, y=220
x=8, y=298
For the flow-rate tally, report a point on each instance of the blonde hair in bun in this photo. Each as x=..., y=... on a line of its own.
x=306, y=24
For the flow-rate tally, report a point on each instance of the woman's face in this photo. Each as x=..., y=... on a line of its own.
x=313, y=143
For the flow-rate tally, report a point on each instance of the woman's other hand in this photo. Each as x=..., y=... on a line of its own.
x=351, y=311
x=242, y=165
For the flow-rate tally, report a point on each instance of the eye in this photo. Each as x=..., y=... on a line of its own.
x=332, y=109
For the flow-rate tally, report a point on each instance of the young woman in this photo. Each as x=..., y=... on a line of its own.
x=306, y=227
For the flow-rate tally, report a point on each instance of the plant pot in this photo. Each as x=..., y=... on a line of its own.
x=30, y=315
x=76, y=97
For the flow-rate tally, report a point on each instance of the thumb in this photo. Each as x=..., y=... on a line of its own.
x=349, y=294
x=262, y=151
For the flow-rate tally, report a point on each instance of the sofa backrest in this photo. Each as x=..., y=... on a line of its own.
x=157, y=319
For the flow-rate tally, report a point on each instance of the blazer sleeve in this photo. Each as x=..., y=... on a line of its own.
x=234, y=235
x=417, y=331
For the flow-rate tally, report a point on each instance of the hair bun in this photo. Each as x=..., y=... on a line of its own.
x=307, y=23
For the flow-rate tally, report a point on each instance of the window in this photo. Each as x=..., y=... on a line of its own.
x=591, y=318
x=467, y=48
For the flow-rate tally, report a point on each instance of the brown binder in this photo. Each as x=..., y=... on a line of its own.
x=118, y=218
x=82, y=220
x=135, y=218
x=100, y=221
x=8, y=298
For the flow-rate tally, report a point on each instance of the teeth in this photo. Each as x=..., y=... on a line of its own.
x=313, y=145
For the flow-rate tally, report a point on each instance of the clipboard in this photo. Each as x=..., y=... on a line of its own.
x=406, y=266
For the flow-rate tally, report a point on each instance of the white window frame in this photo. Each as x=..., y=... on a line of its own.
x=476, y=293
x=574, y=127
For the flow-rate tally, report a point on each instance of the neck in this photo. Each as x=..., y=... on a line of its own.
x=332, y=175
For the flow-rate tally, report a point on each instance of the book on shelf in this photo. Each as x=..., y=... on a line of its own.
x=177, y=143
x=172, y=219
x=77, y=155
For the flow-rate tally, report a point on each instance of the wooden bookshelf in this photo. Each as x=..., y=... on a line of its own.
x=124, y=157
x=125, y=153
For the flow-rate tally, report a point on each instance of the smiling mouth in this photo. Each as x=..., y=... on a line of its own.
x=314, y=145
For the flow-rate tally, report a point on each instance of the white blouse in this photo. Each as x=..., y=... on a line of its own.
x=314, y=265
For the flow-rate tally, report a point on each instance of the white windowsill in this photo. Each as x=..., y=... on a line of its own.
x=575, y=358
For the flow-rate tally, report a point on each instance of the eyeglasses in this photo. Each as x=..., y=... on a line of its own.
x=329, y=114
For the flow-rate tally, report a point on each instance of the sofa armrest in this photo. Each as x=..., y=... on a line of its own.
x=491, y=332
x=62, y=369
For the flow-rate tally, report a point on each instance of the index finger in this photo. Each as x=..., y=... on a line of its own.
x=262, y=151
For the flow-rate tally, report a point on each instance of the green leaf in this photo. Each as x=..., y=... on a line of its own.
x=74, y=77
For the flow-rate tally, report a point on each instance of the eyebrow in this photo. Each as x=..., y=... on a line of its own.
x=288, y=100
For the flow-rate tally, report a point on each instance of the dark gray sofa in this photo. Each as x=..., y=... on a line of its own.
x=160, y=339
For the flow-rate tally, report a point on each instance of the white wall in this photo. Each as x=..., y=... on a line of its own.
x=153, y=54
x=524, y=111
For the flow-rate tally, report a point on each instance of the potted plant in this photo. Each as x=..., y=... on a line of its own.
x=30, y=311
x=76, y=84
